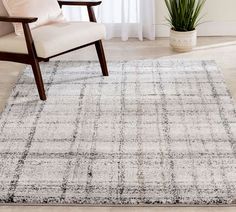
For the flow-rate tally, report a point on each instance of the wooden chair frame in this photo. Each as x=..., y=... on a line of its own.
x=32, y=59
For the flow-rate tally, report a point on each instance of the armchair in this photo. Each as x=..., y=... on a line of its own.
x=49, y=41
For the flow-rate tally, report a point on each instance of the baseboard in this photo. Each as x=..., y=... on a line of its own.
x=213, y=28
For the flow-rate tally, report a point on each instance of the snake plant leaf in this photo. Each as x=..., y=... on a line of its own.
x=184, y=15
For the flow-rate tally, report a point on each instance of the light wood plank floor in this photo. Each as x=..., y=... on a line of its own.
x=221, y=49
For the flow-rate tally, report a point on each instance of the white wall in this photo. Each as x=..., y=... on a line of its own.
x=220, y=17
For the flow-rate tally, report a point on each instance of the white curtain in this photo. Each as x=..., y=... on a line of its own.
x=122, y=18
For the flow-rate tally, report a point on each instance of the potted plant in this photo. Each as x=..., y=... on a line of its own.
x=184, y=17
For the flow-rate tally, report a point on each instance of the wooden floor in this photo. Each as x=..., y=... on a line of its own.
x=221, y=49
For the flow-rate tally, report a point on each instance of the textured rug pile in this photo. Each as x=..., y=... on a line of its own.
x=154, y=132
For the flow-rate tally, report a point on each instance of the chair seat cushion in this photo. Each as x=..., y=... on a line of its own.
x=5, y=28
x=55, y=38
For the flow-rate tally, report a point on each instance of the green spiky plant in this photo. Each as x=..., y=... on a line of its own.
x=184, y=15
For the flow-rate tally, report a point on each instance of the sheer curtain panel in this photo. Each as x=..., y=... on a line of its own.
x=123, y=18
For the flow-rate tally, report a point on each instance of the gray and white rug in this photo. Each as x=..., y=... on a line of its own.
x=154, y=132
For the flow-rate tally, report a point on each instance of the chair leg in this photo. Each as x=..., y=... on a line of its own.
x=101, y=57
x=38, y=79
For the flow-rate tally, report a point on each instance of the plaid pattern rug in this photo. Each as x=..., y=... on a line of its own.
x=154, y=132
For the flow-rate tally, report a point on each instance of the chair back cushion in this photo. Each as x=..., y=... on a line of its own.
x=5, y=28
x=47, y=11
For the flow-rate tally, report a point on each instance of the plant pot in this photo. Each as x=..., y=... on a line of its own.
x=183, y=41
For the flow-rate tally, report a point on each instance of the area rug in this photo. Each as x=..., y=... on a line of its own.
x=154, y=132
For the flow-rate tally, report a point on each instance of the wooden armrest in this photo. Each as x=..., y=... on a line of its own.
x=15, y=19
x=80, y=3
x=89, y=5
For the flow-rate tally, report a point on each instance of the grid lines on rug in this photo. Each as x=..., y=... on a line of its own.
x=21, y=161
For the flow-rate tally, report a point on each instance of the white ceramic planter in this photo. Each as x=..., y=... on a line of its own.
x=183, y=41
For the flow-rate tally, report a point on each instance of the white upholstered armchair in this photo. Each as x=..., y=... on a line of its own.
x=48, y=41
